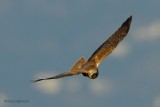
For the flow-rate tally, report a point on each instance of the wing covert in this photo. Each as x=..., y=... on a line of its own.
x=77, y=65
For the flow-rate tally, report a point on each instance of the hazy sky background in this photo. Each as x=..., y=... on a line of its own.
x=40, y=38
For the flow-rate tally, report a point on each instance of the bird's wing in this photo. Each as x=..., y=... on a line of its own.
x=65, y=74
x=110, y=44
x=78, y=64
x=75, y=70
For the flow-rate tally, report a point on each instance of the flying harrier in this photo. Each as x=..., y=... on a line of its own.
x=90, y=68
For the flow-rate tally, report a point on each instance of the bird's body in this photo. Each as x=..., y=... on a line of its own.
x=90, y=68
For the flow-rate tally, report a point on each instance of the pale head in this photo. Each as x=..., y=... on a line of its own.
x=93, y=73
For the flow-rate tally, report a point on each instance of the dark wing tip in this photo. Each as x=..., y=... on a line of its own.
x=127, y=22
x=33, y=81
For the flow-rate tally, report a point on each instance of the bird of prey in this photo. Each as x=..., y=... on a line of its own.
x=90, y=68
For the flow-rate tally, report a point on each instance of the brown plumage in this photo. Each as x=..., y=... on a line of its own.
x=90, y=68
x=111, y=43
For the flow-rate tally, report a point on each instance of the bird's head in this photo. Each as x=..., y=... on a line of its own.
x=93, y=73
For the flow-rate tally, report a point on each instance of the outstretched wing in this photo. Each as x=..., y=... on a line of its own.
x=75, y=70
x=65, y=74
x=110, y=44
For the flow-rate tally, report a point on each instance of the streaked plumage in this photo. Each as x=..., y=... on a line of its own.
x=90, y=68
